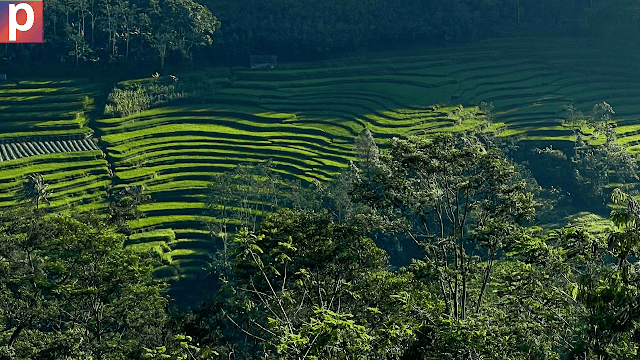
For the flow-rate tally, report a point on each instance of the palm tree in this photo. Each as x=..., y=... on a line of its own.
x=35, y=190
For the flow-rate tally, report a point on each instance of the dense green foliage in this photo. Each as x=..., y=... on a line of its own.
x=68, y=289
x=139, y=97
x=305, y=286
x=456, y=199
x=304, y=117
x=311, y=284
x=247, y=191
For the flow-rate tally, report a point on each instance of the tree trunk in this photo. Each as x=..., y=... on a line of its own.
x=93, y=26
x=445, y=296
x=93, y=23
x=163, y=52
x=14, y=335
x=485, y=279
x=455, y=292
x=463, y=296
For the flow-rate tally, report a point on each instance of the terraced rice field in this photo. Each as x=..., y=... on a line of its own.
x=78, y=179
x=46, y=107
x=43, y=128
x=305, y=116
x=174, y=153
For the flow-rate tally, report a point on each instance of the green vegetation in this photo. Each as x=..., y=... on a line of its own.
x=75, y=179
x=182, y=178
x=303, y=117
x=470, y=202
x=139, y=97
x=47, y=107
x=45, y=131
x=118, y=32
x=307, y=286
x=69, y=289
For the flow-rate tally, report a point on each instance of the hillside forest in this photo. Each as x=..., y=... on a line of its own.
x=129, y=33
x=410, y=180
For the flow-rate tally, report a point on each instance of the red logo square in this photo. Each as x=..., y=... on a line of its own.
x=20, y=21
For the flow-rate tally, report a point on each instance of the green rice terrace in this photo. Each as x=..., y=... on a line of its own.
x=44, y=130
x=302, y=116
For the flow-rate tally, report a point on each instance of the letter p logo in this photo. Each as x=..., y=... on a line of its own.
x=20, y=21
x=13, y=19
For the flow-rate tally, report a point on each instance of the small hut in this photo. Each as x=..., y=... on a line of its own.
x=3, y=77
x=263, y=61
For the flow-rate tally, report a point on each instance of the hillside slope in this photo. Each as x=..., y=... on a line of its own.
x=302, y=116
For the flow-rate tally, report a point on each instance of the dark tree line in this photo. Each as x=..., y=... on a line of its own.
x=127, y=32
x=312, y=30
x=117, y=32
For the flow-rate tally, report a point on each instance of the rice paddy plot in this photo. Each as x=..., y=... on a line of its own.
x=74, y=178
x=47, y=107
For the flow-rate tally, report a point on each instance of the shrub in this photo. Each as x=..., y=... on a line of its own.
x=139, y=97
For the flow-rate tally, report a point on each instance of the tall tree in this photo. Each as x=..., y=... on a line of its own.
x=337, y=198
x=367, y=152
x=36, y=190
x=459, y=199
x=192, y=23
x=79, y=48
x=130, y=25
x=68, y=279
x=596, y=164
x=161, y=39
x=123, y=207
x=112, y=15
x=302, y=280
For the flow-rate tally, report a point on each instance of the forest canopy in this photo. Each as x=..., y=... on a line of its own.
x=316, y=284
x=127, y=32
